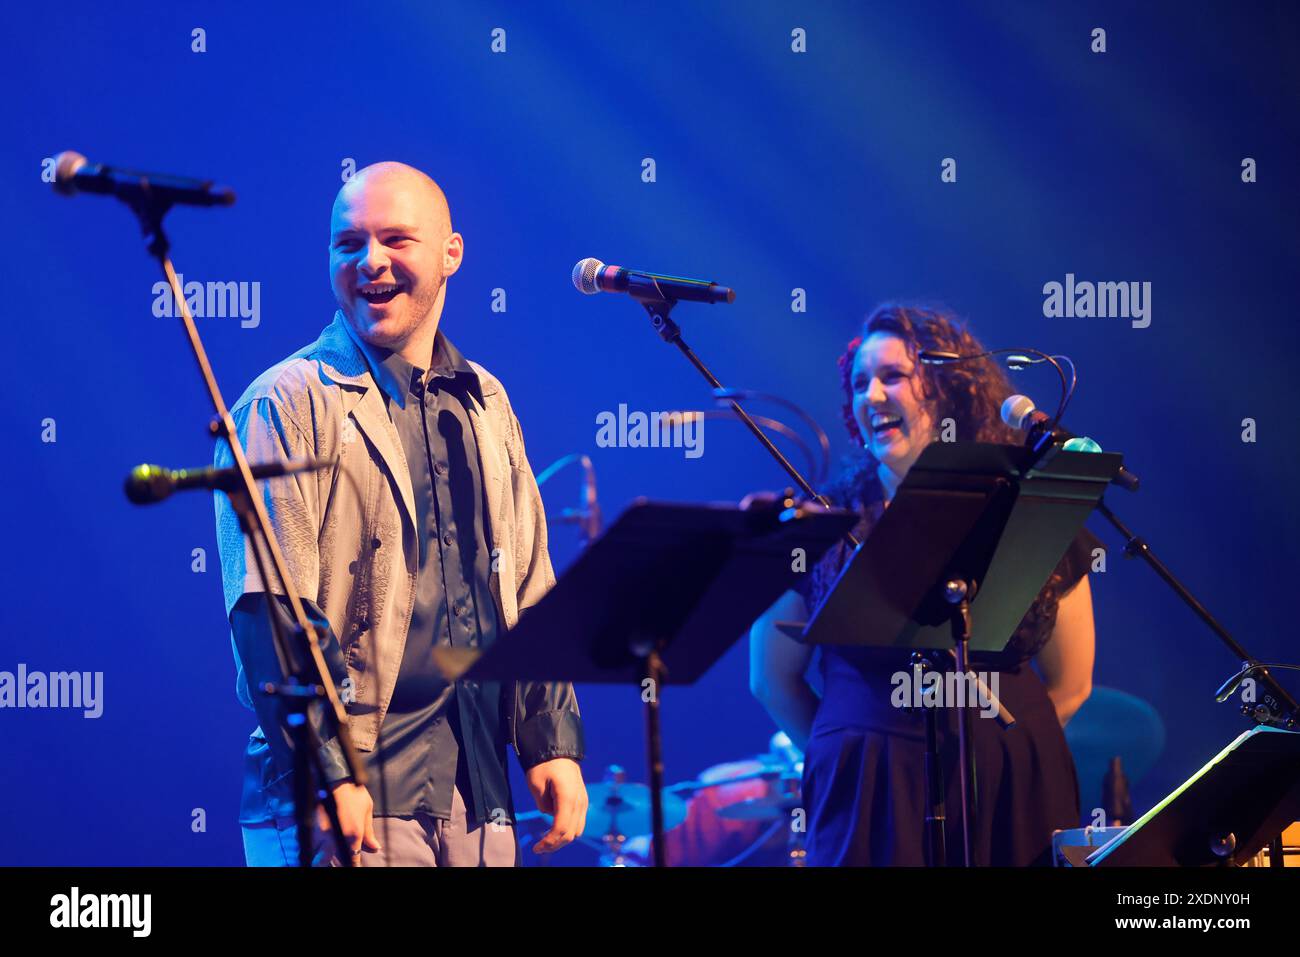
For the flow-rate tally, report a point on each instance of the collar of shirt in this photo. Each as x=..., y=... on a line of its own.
x=396, y=377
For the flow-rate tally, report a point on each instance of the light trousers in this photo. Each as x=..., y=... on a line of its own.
x=419, y=841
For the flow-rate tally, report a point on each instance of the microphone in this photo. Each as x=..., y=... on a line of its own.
x=587, y=515
x=592, y=276
x=73, y=173
x=148, y=484
x=1230, y=686
x=589, y=511
x=1019, y=412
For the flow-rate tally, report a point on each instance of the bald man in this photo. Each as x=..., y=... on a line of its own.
x=428, y=532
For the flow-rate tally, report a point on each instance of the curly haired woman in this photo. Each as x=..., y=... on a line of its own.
x=863, y=786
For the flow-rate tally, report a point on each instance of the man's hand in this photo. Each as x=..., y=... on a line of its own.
x=558, y=790
x=355, y=806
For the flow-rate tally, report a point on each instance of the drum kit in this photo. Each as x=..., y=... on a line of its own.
x=742, y=813
x=749, y=812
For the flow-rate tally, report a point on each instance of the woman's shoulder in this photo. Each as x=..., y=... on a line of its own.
x=1079, y=558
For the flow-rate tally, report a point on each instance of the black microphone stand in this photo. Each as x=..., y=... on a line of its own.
x=1276, y=707
x=670, y=332
x=300, y=686
x=1281, y=710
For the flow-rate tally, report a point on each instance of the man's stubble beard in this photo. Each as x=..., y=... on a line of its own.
x=418, y=313
x=422, y=307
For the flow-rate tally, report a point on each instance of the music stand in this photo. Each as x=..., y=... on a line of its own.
x=659, y=597
x=974, y=527
x=1224, y=813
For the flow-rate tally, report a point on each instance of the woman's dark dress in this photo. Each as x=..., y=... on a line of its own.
x=864, y=787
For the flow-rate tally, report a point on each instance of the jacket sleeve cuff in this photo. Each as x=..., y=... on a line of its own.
x=331, y=759
x=550, y=734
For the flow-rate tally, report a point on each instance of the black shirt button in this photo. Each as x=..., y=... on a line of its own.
x=440, y=468
x=447, y=539
x=375, y=543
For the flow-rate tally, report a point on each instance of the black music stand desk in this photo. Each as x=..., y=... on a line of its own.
x=660, y=596
x=967, y=542
x=1223, y=814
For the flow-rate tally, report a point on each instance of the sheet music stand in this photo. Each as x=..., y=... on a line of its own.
x=661, y=595
x=1223, y=814
x=971, y=535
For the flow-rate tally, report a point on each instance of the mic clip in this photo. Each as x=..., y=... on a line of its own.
x=1042, y=444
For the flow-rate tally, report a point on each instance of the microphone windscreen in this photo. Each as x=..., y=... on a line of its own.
x=584, y=276
x=66, y=165
x=148, y=484
x=1016, y=411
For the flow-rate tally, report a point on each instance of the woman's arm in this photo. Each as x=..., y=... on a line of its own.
x=1066, y=659
x=776, y=670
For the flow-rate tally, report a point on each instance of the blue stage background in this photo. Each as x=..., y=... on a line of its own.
x=775, y=170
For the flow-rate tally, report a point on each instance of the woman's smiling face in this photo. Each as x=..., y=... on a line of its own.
x=895, y=419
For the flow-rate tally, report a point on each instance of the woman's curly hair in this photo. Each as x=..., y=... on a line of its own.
x=969, y=393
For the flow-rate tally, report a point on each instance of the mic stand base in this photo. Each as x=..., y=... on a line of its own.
x=297, y=699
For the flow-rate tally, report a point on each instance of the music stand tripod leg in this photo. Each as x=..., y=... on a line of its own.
x=936, y=854
x=653, y=670
x=958, y=594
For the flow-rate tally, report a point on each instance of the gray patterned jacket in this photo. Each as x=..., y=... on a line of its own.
x=349, y=538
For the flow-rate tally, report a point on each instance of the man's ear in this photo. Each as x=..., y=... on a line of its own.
x=453, y=251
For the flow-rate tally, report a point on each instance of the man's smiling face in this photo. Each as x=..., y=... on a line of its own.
x=391, y=248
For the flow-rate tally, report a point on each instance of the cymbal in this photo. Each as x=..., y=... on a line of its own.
x=623, y=809
x=1113, y=723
